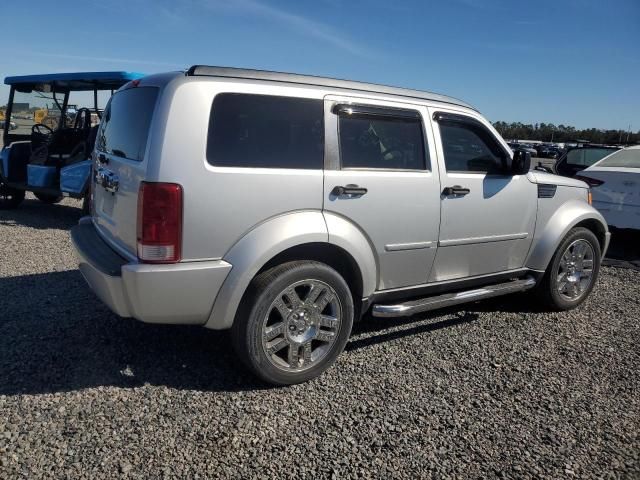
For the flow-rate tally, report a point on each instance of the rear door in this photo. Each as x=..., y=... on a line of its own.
x=120, y=165
x=379, y=176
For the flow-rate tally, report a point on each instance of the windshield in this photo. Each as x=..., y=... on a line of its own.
x=629, y=158
x=34, y=107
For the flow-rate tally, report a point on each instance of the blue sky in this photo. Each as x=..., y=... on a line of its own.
x=575, y=62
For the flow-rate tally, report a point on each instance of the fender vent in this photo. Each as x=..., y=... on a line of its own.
x=546, y=190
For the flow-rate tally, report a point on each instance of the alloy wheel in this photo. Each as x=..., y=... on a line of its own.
x=575, y=271
x=301, y=325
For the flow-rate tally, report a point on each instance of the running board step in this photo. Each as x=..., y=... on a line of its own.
x=448, y=299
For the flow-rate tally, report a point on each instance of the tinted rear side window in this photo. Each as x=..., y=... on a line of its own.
x=381, y=143
x=125, y=124
x=265, y=131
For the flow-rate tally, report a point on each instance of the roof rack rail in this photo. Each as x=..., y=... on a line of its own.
x=228, y=72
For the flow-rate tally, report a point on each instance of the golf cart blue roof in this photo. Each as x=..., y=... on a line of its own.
x=73, y=81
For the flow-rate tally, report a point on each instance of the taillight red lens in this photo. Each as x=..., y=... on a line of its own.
x=592, y=182
x=159, y=222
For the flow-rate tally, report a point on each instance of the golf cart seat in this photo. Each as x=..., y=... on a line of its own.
x=62, y=146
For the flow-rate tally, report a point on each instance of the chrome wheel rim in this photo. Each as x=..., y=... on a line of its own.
x=575, y=272
x=301, y=325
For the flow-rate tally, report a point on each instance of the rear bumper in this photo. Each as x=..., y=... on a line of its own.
x=180, y=293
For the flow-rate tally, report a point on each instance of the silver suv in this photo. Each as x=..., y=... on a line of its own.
x=284, y=207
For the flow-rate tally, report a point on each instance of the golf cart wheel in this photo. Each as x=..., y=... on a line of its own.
x=10, y=197
x=48, y=199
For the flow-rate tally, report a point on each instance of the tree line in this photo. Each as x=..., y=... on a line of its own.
x=548, y=132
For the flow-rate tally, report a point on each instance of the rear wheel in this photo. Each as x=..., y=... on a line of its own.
x=294, y=322
x=573, y=271
x=10, y=197
x=48, y=199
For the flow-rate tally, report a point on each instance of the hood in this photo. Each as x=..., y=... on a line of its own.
x=537, y=176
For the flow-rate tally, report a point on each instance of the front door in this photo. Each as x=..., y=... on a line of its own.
x=380, y=177
x=488, y=215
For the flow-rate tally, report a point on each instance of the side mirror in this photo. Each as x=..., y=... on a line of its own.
x=521, y=163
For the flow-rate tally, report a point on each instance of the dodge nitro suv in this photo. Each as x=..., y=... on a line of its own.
x=285, y=207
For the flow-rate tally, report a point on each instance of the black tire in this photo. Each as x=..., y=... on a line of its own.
x=548, y=288
x=48, y=199
x=10, y=197
x=256, y=308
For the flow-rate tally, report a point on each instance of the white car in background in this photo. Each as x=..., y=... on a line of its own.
x=615, y=186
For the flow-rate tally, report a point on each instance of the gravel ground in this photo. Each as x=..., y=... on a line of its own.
x=495, y=390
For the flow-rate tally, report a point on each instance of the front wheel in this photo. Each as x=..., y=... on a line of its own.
x=572, y=272
x=48, y=199
x=10, y=197
x=295, y=320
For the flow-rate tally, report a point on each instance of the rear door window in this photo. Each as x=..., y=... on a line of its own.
x=266, y=131
x=125, y=123
x=381, y=142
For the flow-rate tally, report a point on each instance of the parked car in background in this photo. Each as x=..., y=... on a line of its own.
x=548, y=151
x=615, y=187
x=284, y=207
x=523, y=147
x=578, y=158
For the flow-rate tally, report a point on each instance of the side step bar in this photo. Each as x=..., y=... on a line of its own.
x=448, y=299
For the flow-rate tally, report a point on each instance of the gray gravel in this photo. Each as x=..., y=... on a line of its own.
x=492, y=391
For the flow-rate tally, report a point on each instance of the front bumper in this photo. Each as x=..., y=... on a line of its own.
x=181, y=293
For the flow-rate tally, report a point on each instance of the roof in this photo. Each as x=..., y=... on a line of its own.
x=73, y=81
x=226, y=72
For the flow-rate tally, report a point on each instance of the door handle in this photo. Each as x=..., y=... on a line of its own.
x=455, y=190
x=351, y=190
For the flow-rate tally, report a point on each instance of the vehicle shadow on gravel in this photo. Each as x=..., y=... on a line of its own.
x=56, y=336
x=376, y=330
x=38, y=215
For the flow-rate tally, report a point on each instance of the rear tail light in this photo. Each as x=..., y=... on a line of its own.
x=592, y=182
x=159, y=222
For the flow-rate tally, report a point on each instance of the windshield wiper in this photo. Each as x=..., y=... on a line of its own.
x=118, y=153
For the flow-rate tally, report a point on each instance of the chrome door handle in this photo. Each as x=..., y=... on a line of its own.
x=348, y=190
x=455, y=190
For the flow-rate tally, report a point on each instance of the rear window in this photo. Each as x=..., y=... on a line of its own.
x=623, y=158
x=125, y=123
x=586, y=157
x=265, y=131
